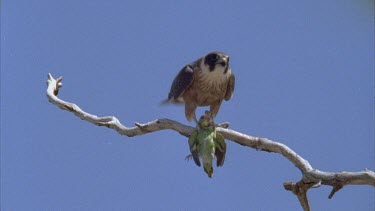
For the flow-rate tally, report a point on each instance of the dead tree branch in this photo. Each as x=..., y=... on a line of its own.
x=311, y=178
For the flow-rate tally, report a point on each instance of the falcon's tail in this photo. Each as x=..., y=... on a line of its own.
x=164, y=102
x=170, y=101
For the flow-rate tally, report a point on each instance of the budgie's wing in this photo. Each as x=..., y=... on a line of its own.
x=220, y=149
x=193, y=145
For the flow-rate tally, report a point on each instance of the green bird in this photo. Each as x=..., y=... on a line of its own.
x=207, y=144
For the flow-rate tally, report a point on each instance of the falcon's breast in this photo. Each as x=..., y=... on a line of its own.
x=208, y=87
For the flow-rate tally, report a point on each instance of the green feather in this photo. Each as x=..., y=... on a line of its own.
x=206, y=144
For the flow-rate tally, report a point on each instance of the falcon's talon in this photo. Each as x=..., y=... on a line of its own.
x=223, y=125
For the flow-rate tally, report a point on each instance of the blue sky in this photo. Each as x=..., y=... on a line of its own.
x=305, y=78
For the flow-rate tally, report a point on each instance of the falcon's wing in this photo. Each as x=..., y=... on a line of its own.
x=220, y=149
x=182, y=81
x=230, y=87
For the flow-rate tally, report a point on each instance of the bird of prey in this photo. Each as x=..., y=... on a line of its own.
x=207, y=144
x=205, y=82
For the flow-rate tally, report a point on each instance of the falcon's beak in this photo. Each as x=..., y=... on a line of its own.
x=223, y=61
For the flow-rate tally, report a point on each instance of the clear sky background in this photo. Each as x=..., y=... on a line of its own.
x=305, y=78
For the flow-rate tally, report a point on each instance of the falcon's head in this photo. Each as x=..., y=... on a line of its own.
x=216, y=61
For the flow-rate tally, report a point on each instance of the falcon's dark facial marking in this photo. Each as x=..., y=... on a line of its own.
x=211, y=60
x=222, y=62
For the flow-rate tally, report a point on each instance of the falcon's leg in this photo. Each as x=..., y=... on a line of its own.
x=190, y=112
x=197, y=123
x=214, y=109
x=195, y=119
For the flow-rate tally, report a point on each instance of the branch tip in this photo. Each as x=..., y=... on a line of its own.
x=334, y=190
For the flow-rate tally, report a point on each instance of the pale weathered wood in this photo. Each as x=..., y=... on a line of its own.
x=311, y=178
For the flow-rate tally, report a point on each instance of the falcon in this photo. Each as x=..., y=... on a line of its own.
x=205, y=82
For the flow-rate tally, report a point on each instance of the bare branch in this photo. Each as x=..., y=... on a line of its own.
x=311, y=178
x=111, y=121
